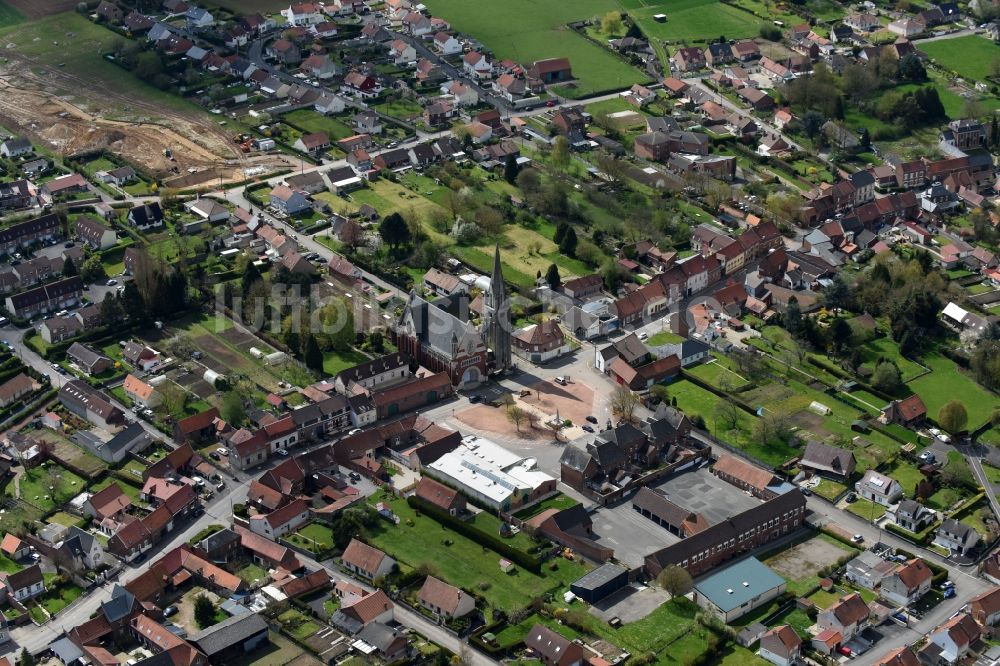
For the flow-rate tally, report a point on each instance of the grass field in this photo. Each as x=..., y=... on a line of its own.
x=312, y=121
x=49, y=486
x=694, y=20
x=971, y=56
x=948, y=382
x=529, y=30
x=886, y=348
x=465, y=563
x=9, y=16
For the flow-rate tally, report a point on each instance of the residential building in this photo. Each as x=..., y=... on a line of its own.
x=146, y=216
x=553, y=649
x=984, y=608
x=781, y=646
x=91, y=405
x=281, y=521
x=95, y=234
x=879, y=488
x=289, y=201
x=952, y=641
x=957, y=537
x=444, y=600
x=366, y=561
x=829, y=460
x=913, y=516
x=232, y=638
x=15, y=388
x=24, y=584
x=868, y=570
x=141, y=393
x=540, y=343
x=445, y=498
x=758, y=482
x=848, y=617
x=56, y=295
x=908, y=583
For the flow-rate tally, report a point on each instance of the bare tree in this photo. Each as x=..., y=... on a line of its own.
x=517, y=416
x=623, y=403
x=555, y=427
x=727, y=414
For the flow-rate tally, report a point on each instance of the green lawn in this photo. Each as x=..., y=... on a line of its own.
x=49, y=486
x=252, y=572
x=132, y=491
x=971, y=56
x=297, y=624
x=908, y=476
x=557, y=502
x=8, y=565
x=313, y=121
x=866, y=509
x=718, y=375
x=314, y=537
x=664, y=338
x=334, y=362
x=886, y=347
x=54, y=600
x=67, y=519
x=529, y=30
x=944, y=498
x=465, y=563
x=948, y=382
x=695, y=20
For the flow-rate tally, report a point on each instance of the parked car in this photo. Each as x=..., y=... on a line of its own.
x=851, y=497
x=858, y=538
x=282, y=452
x=592, y=419
x=806, y=492
x=587, y=428
x=949, y=593
x=475, y=398
x=355, y=476
x=844, y=650
x=928, y=457
x=169, y=610
x=112, y=282
x=222, y=451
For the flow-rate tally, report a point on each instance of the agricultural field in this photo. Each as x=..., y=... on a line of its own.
x=971, y=57
x=526, y=30
x=694, y=20
x=9, y=16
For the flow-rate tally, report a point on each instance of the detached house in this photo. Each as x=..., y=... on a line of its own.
x=288, y=200
x=446, y=44
x=952, y=641
x=147, y=216
x=781, y=646
x=314, y=143
x=909, y=412
x=366, y=561
x=879, y=488
x=848, y=617
x=908, y=583
x=553, y=649
x=984, y=608
x=913, y=516
x=957, y=537
x=401, y=52
x=444, y=600
x=24, y=584
x=142, y=394
x=477, y=65
x=830, y=460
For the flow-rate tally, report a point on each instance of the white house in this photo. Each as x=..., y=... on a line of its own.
x=305, y=13
x=446, y=44
x=402, y=52
x=781, y=646
x=907, y=584
x=951, y=641
x=281, y=521
x=329, y=103
x=477, y=65
x=366, y=561
x=24, y=584
x=957, y=537
x=288, y=200
x=879, y=488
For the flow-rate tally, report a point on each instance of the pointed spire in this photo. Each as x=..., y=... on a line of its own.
x=497, y=277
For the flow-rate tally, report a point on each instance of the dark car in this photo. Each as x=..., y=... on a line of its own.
x=592, y=419
x=806, y=492
x=587, y=428
x=214, y=456
x=475, y=398
x=355, y=476
x=169, y=610
x=851, y=497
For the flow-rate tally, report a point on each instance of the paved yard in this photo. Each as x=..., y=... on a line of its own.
x=805, y=559
x=702, y=492
x=632, y=536
x=630, y=604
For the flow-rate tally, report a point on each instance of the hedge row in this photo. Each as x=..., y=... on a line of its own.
x=495, y=543
x=920, y=539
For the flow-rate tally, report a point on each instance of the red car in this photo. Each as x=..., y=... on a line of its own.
x=550, y=103
x=844, y=650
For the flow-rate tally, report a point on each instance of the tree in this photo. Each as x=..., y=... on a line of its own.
x=516, y=415
x=204, y=611
x=132, y=303
x=173, y=398
x=660, y=393
x=233, y=411
x=337, y=323
x=251, y=276
x=611, y=23
x=623, y=403
x=27, y=659
x=840, y=335
x=394, y=231
x=511, y=169
x=69, y=268
x=560, y=152
x=675, y=580
x=911, y=68
x=92, y=270
x=727, y=414
x=552, y=276
x=793, y=317
x=953, y=417
x=886, y=377
x=568, y=244
x=312, y=356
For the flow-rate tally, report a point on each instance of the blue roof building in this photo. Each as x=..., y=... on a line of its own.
x=738, y=589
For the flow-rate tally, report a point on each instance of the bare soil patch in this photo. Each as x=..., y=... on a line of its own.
x=805, y=559
x=494, y=419
x=574, y=402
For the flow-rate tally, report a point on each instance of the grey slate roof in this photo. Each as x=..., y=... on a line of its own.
x=119, y=605
x=439, y=329
x=229, y=632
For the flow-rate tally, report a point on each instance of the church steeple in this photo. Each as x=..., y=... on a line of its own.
x=496, y=329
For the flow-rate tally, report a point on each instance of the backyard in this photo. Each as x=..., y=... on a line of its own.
x=49, y=486
x=419, y=540
x=948, y=382
x=971, y=56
